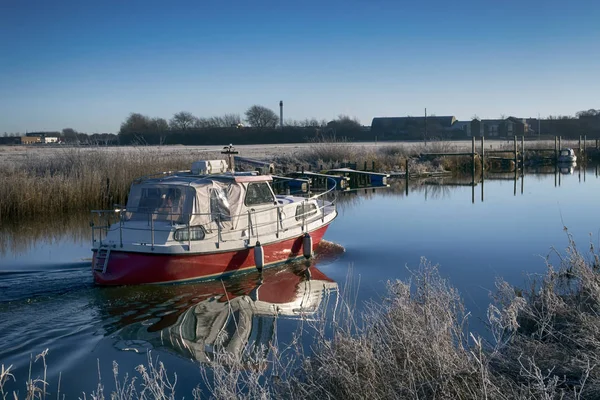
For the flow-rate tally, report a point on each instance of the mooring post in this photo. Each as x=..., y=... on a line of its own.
x=523, y=153
x=579, y=145
x=365, y=168
x=555, y=150
x=482, y=182
x=473, y=157
x=516, y=152
x=373, y=166
x=482, y=155
x=585, y=144
x=516, y=177
x=406, y=176
x=559, y=144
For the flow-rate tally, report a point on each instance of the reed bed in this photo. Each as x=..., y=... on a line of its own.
x=543, y=343
x=72, y=180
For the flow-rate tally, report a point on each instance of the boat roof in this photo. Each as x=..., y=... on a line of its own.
x=186, y=178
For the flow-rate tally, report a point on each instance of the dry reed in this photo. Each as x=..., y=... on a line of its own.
x=72, y=180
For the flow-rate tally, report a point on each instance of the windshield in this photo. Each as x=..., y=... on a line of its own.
x=161, y=202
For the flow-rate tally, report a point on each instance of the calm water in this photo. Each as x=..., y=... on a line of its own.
x=47, y=299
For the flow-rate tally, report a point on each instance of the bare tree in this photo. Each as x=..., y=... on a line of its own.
x=182, y=120
x=589, y=113
x=231, y=120
x=159, y=125
x=261, y=117
x=135, y=122
x=345, y=122
x=70, y=135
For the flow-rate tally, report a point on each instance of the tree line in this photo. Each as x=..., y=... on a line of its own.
x=259, y=125
x=256, y=116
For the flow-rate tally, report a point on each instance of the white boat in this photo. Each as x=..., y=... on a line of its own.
x=567, y=156
x=205, y=223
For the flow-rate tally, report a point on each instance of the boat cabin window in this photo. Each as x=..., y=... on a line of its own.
x=161, y=202
x=258, y=193
x=565, y=153
x=219, y=205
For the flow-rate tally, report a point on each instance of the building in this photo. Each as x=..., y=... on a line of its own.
x=410, y=127
x=510, y=126
x=31, y=139
x=50, y=139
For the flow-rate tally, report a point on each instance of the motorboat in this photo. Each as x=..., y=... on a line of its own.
x=202, y=320
x=567, y=156
x=205, y=223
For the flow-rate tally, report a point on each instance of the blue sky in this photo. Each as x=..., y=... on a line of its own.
x=88, y=64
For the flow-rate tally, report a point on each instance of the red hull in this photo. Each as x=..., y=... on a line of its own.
x=129, y=268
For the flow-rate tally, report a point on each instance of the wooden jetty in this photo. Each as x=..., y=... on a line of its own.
x=360, y=178
x=289, y=185
x=318, y=180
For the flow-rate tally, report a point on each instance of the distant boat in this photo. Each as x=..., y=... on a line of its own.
x=567, y=156
x=206, y=223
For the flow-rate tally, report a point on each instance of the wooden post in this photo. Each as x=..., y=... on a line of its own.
x=482, y=183
x=522, y=181
x=473, y=157
x=516, y=177
x=523, y=153
x=482, y=155
x=555, y=150
x=585, y=144
x=559, y=144
x=579, y=145
x=516, y=153
x=406, y=177
x=365, y=168
x=373, y=169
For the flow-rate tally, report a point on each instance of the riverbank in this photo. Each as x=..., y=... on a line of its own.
x=42, y=181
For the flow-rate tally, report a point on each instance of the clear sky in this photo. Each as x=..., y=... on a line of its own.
x=87, y=64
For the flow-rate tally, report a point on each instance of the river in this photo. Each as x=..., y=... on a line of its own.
x=503, y=228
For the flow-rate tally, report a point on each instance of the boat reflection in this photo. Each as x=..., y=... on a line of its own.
x=193, y=320
x=566, y=168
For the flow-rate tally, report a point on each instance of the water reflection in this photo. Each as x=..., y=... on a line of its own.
x=18, y=237
x=193, y=320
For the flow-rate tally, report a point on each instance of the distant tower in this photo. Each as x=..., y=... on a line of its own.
x=281, y=114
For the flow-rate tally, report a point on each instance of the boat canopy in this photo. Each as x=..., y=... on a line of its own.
x=205, y=201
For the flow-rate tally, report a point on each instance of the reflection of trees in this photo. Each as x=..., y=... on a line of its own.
x=18, y=238
x=234, y=315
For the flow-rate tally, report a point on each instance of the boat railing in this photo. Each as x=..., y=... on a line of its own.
x=105, y=221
